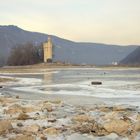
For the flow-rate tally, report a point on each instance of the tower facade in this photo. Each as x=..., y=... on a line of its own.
x=48, y=51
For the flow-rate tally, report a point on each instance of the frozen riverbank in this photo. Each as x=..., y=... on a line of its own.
x=119, y=86
x=53, y=119
x=64, y=105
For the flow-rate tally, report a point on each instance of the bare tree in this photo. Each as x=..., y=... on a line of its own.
x=25, y=54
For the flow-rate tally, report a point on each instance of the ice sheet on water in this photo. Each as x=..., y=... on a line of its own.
x=27, y=73
x=85, y=90
x=115, y=84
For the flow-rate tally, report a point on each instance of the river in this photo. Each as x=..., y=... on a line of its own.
x=119, y=86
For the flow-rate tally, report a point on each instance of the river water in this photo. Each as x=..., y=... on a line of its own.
x=119, y=86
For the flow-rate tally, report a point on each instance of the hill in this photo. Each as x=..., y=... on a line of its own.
x=133, y=58
x=65, y=50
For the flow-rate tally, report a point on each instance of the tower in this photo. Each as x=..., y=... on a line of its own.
x=48, y=53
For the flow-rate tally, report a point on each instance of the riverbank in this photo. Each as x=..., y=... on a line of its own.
x=63, y=117
x=52, y=119
x=38, y=67
x=62, y=104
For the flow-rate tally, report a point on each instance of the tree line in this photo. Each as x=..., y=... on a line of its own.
x=25, y=54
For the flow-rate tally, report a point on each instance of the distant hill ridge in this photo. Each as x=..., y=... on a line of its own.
x=65, y=50
x=133, y=58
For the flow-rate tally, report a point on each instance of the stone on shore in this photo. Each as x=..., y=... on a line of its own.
x=56, y=102
x=60, y=120
x=18, y=109
x=83, y=128
x=14, y=109
x=51, y=131
x=137, y=126
x=111, y=115
x=19, y=124
x=104, y=109
x=117, y=126
x=52, y=120
x=90, y=128
x=48, y=107
x=32, y=128
x=120, y=108
x=138, y=117
x=23, y=137
x=42, y=137
x=5, y=100
x=82, y=118
x=23, y=116
x=77, y=136
x=17, y=97
x=5, y=125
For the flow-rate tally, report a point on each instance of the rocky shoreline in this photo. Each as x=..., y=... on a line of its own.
x=53, y=119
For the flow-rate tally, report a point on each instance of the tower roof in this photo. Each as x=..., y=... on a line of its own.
x=49, y=38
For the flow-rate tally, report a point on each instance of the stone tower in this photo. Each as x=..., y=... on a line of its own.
x=48, y=51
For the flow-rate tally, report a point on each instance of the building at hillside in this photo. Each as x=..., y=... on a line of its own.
x=48, y=51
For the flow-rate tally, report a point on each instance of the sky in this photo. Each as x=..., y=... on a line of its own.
x=100, y=21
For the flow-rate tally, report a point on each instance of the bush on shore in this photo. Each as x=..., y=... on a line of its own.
x=25, y=54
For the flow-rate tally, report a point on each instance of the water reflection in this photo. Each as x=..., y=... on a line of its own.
x=48, y=78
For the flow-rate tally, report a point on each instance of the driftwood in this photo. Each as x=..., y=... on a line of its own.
x=96, y=83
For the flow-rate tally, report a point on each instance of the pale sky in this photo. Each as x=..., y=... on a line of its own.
x=102, y=21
